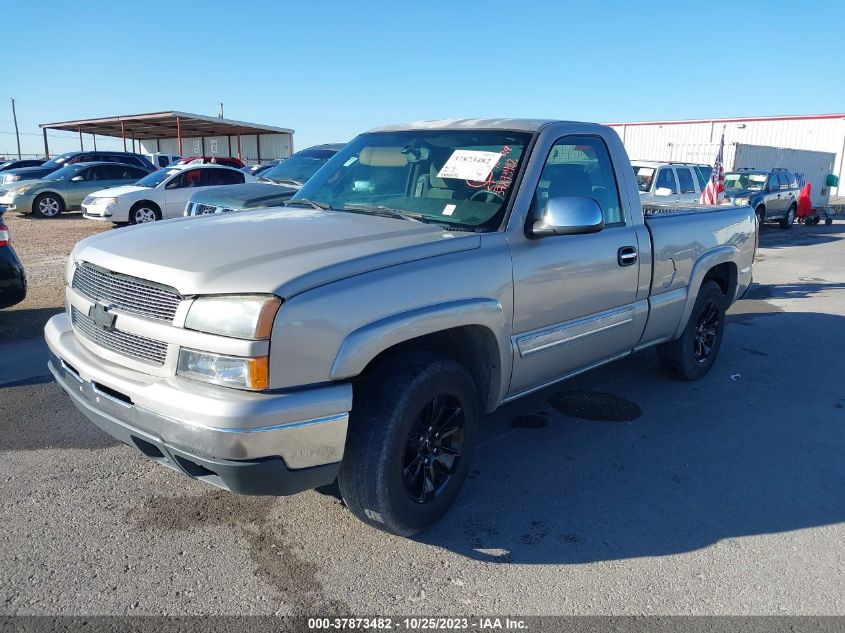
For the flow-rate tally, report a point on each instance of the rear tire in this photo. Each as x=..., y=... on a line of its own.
x=48, y=205
x=144, y=212
x=789, y=219
x=415, y=407
x=828, y=221
x=692, y=355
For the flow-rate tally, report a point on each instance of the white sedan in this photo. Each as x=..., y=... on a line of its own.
x=159, y=196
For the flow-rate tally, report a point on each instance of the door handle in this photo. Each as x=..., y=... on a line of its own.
x=626, y=255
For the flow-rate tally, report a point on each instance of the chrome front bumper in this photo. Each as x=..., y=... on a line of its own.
x=305, y=428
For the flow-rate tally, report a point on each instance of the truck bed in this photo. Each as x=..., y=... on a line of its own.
x=684, y=239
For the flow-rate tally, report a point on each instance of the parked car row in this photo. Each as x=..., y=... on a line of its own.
x=160, y=195
x=64, y=189
x=71, y=158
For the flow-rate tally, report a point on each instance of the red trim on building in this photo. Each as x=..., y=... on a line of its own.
x=786, y=117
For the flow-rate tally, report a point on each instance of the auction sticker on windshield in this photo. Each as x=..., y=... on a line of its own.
x=469, y=164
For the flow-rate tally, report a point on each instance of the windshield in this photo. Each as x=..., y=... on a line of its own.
x=59, y=160
x=743, y=181
x=156, y=178
x=459, y=178
x=300, y=167
x=645, y=176
x=62, y=174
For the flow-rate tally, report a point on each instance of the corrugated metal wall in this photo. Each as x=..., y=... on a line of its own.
x=666, y=141
x=272, y=146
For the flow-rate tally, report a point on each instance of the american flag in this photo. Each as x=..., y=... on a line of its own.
x=715, y=188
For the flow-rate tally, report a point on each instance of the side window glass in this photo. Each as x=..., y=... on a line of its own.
x=685, y=180
x=86, y=174
x=223, y=177
x=666, y=180
x=784, y=181
x=580, y=166
x=190, y=178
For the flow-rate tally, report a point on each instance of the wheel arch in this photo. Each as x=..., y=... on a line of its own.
x=44, y=192
x=147, y=201
x=719, y=266
x=468, y=331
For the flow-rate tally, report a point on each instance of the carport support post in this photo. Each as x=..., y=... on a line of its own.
x=179, y=133
x=133, y=144
x=123, y=134
x=239, y=145
x=46, y=147
x=202, y=140
x=94, y=137
x=80, y=139
x=258, y=149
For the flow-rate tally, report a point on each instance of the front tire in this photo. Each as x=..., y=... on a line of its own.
x=789, y=219
x=760, y=212
x=412, y=434
x=692, y=355
x=48, y=205
x=144, y=212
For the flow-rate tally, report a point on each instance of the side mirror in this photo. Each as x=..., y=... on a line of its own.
x=77, y=179
x=663, y=191
x=569, y=216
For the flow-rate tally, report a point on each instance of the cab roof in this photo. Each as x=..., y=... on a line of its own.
x=519, y=125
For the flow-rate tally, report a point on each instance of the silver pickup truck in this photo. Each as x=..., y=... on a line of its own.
x=425, y=275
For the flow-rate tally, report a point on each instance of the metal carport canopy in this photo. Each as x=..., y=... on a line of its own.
x=161, y=125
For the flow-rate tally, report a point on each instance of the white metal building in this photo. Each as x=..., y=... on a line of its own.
x=697, y=140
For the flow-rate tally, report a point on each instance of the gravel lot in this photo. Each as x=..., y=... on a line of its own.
x=620, y=492
x=43, y=246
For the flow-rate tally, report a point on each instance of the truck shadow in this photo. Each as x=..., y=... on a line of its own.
x=753, y=448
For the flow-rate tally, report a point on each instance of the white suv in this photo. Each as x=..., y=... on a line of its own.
x=669, y=182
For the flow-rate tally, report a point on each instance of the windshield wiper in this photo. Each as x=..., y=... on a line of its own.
x=388, y=212
x=322, y=206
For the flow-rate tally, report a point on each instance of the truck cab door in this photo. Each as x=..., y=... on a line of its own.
x=575, y=296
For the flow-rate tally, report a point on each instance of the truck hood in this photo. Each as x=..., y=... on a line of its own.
x=251, y=195
x=280, y=251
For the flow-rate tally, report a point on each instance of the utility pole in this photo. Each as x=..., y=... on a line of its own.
x=17, y=134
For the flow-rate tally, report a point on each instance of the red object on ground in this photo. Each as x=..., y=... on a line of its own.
x=805, y=207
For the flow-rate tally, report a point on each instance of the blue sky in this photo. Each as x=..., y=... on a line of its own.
x=332, y=69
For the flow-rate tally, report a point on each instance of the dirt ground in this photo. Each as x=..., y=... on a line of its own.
x=43, y=246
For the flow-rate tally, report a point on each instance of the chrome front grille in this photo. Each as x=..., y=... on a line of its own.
x=204, y=209
x=132, y=345
x=125, y=293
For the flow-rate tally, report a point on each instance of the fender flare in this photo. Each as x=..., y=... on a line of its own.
x=362, y=345
x=720, y=255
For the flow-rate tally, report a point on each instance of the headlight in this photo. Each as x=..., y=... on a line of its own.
x=239, y=316
x=21, y=190
x=228, y=371
x=11, y=178
x=741, y=200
